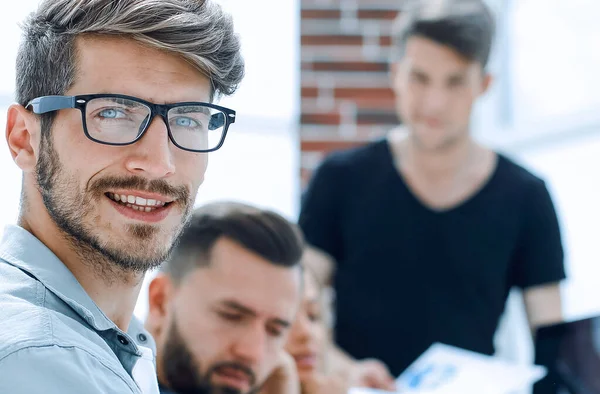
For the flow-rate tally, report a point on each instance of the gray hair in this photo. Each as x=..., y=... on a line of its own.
x=197, y=30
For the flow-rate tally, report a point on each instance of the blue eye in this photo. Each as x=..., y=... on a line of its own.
x=186, y=122
x=110, y=113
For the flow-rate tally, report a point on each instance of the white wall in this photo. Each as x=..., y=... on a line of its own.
x=554, y=61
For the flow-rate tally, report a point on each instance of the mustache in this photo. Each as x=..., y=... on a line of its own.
x=235, y=366
x=159, y=186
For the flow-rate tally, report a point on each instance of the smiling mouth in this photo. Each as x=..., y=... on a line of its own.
x=137, y=203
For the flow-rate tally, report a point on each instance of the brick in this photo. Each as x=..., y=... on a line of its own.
x=376, y=118
x=308, y=91
x=364, y=93
x=331, y=40
x=320, y=14
x=338, y=71
x=306, y=66
x=364, y=104
x=349, y=66
x=378, y=14
x=331, y=118
x=330, y=145
x=385, y=41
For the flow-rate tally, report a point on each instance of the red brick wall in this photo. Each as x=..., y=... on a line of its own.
x=345, y=86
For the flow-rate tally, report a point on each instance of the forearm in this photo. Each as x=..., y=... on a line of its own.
x=543, y=305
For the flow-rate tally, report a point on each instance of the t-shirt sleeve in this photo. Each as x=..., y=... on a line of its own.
x=319, y=212
x=58, y=370
x=539, y=256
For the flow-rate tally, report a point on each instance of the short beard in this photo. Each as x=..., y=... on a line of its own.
x=68, y=210
x=182, y=372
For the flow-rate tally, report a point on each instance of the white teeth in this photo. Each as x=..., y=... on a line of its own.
x=142, y=203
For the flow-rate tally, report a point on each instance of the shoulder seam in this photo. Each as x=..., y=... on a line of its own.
x=134, y=388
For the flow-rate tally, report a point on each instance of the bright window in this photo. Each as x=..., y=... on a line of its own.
x=554, y=62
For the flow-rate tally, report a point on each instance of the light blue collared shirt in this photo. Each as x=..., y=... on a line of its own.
x=53, y=337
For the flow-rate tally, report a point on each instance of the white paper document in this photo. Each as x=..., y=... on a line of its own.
x=444, y=369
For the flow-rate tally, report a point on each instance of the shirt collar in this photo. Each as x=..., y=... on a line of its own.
x=164, y=390
x=23, y=250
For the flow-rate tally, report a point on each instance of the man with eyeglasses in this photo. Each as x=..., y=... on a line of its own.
x=113, y=122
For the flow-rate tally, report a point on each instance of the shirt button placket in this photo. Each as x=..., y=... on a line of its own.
x=123, y=340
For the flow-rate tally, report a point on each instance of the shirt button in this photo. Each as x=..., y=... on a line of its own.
x=142, y=337
x=123, y=340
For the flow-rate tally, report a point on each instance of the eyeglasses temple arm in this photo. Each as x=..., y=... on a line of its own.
x=42, y=105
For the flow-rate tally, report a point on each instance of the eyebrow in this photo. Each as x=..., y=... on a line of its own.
x=419, y=73
x=122, y=101
x=191, y=109
x=247, y=311
x=459, y=76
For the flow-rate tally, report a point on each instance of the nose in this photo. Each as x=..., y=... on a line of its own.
x=152, y=155
x=301, y=330
x=250, y=346
x=435, y=100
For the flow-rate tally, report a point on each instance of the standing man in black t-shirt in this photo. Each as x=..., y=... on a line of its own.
x=430, y=230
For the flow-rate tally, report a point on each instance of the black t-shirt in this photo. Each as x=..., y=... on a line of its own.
x=408, y=276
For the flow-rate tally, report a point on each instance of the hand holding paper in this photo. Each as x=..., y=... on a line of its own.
x=444, y=369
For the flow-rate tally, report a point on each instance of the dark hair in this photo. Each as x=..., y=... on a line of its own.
x=197, y=30
x=467, y=26
x=263, y=232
